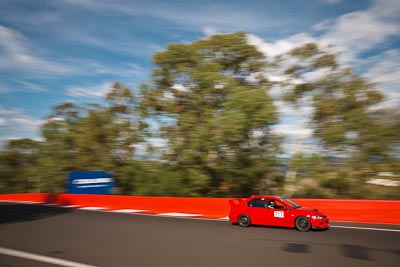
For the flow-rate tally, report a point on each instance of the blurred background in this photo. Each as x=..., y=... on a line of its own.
x=221, y=99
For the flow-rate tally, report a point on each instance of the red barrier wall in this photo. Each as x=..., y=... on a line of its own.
x=209, y=207
x=367, y=211
x=40, y=197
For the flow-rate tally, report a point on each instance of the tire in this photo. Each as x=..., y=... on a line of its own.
x=303, y=224
x=244, y=220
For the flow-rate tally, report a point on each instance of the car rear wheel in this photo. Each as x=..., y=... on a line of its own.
x=244, y=220
x=303, y=224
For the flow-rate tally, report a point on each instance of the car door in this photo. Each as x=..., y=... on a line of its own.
x=281, y=215
x=258, y=211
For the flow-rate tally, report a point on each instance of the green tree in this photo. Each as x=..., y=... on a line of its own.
x=210, y=101
x=210, y=98
x=91, y=137
x=58, y=153
x=346, y=119
x=18, y=166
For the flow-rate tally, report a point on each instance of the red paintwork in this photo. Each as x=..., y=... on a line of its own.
x=283, y=215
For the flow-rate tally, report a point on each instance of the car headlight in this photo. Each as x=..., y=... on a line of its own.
x=317, y=217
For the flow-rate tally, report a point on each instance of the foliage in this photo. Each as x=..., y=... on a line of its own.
x=215, y=112
x=345, y=118
x=209, y=100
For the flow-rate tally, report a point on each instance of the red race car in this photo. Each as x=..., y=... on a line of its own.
x=275, y=211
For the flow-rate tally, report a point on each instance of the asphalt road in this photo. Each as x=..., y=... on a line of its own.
x=111, y=239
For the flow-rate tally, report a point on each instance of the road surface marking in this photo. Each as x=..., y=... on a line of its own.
x=366, y=228
x=128, y=211
x=178, y=214
x=46, y=259
x=91, y=208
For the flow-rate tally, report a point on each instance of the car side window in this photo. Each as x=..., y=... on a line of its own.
x=271, y=204
x=257, y=203
x=279, y=205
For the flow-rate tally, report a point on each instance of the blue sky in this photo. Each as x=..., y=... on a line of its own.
x=72, y=50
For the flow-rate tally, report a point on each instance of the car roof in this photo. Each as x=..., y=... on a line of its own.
x=265, y=196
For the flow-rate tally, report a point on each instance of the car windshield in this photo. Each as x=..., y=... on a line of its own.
x=291, y=202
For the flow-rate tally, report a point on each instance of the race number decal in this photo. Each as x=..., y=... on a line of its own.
x=279, y=214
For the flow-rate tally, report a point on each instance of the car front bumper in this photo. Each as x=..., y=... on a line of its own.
x=320, y=224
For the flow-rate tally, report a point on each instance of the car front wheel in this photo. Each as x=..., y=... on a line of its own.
x=303, y=224
x=244, y=220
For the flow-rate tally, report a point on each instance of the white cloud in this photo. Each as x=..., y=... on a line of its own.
x=303, y=111
x=314, y=76
x=5, y=112
x=293, y=130
x=213, y=14
x=180, y=87
x=360, y=31
x=298, y=137
x=97, y=91
x=16, y=53
x=26, y=123
x=281, y=46
x=15, y=123
x=3, y=89
x=357, y=32
x=385, y=71
x=277, y=91
x=388, y=9
x=124, y=70
x=157, y=142
x=208, y=31
x=350, y=34
x=331, y=2
x=31, y=87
